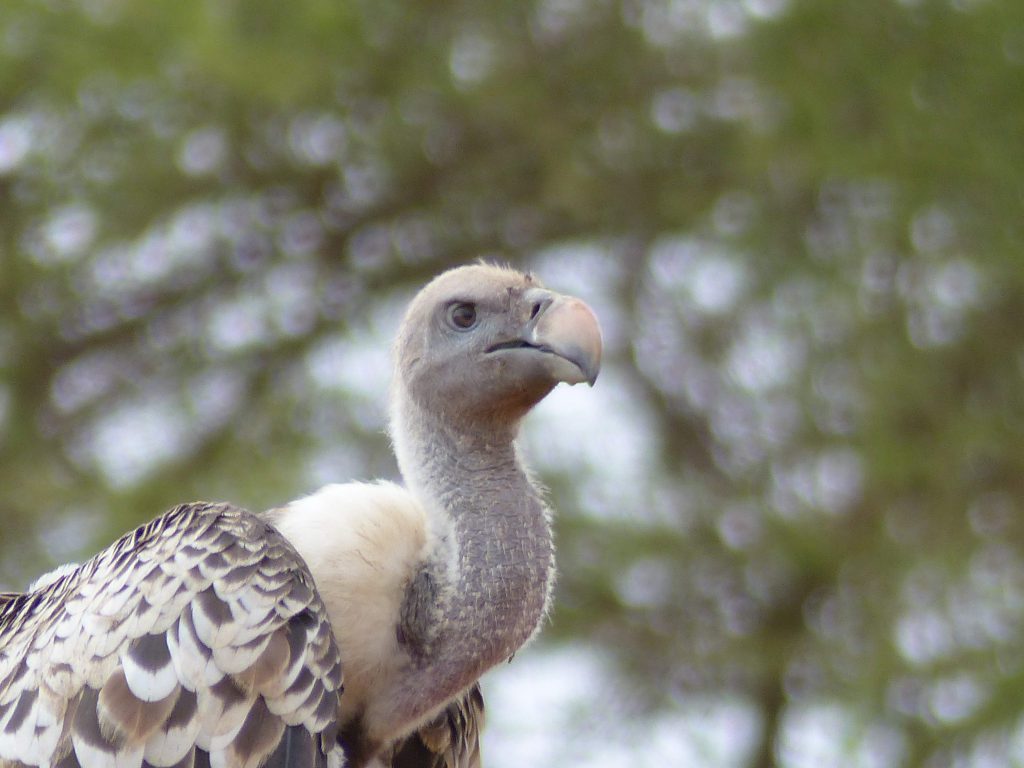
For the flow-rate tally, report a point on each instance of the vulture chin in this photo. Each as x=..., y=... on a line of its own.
x=347, y=628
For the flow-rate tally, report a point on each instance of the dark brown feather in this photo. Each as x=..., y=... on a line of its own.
x=451, y=740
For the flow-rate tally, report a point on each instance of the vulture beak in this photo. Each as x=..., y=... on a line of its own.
x=566, y=329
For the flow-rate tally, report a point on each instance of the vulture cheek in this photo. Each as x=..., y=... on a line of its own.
x=498, y=387
x=522, y=383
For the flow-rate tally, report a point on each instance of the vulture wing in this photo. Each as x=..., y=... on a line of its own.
x=198, y=639
x=451, y=740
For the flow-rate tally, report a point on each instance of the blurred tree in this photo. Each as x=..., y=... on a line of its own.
x=801, y=222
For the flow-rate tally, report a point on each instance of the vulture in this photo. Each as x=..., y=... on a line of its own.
x=347, y=628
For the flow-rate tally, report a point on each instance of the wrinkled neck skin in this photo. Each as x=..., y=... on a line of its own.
x=494, y=563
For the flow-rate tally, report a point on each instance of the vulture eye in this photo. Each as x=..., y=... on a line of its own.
x=462, y=316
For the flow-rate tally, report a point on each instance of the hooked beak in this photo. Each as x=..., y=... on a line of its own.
x=565, y=330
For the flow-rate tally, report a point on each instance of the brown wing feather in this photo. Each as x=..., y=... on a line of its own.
x=196, y=638
x=451, y=740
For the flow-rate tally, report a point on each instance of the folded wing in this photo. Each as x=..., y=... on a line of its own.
x=451, y=740
x=197, y=639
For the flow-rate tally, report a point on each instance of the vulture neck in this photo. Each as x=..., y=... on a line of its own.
x=493, y=560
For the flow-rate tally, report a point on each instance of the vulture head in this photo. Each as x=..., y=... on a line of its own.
x=480, y=345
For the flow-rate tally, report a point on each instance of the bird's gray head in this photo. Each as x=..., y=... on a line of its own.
x=480, y=345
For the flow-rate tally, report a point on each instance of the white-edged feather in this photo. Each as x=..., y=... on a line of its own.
x=168, y=746
x=192, y=659
x=149, y=685
x=50, y=577
x=172, y=609
x=235, y=659
x=90, y=756
x=141, y=620
x=232, y=715
x=212, y=631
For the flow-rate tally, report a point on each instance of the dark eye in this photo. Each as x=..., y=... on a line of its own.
x=462, y=316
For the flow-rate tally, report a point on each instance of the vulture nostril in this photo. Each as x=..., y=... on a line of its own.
x=536, y=310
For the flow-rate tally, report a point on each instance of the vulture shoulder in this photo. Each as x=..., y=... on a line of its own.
x=197, y=639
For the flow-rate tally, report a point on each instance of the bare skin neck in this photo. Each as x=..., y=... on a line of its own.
x=486, y=590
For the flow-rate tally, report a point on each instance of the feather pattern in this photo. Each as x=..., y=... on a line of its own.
x=197, y=639
x=451, y=740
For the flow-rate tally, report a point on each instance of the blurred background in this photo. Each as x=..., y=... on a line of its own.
x=789, y=513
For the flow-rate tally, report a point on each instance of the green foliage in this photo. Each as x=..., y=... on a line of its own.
x=800, y=222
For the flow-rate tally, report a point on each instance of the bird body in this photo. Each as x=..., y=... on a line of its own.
x=215, y=636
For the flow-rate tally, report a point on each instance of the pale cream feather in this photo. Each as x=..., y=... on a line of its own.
x=364, y=543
